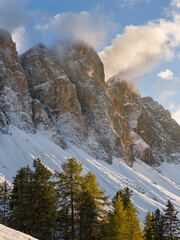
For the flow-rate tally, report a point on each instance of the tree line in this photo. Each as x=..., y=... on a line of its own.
x=69, y=206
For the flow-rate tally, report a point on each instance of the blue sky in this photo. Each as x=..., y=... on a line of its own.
x=140, y=39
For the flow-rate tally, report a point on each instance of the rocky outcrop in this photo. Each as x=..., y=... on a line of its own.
x=15, y=100
x=84, y=69
x=45, y=125
x=66, y=98
x=49, y=84
x=150, y=131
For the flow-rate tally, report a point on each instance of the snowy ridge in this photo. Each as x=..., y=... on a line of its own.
x=7, y=233
x=151, y=189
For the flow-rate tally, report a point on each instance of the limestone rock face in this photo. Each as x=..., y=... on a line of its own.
x=162, y=132
x=150, y=131
x=15, y=100
x=49, y=84
x=84, y=69
x=45, y=125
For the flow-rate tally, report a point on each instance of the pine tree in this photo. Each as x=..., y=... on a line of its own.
x=133, y=231
x=158, y=222
x=148, y=229
x=33, y=202
x=44, y=201
x=20, y=202
x=69, y=187
x=88, y=217
x=116, y=229
x=4, y=201
x=172, y=224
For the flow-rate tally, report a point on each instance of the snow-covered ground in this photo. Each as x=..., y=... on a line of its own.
x=7, y=233
x=151, y=188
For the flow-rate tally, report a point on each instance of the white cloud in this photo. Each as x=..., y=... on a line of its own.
x=140, y=48
x=91, y=28
x=136, y=51
x=130, y=2
x=18, y=36
x=176, y=116
x=166, y=93
x=167, y=74
x=175, y=3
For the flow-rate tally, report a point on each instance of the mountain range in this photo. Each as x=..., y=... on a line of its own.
x=56, y=103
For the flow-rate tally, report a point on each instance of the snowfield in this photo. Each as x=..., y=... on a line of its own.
x=151, y=187
x=7, y=233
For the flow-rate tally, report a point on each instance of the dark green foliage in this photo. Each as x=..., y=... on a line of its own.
x=172, y=224
x=4, y=202
x=33, y=201
x=88, y=214
x=20, y=208
x=158, y=224
x=44, y=201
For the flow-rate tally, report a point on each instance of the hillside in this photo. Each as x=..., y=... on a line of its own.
x=54, y=105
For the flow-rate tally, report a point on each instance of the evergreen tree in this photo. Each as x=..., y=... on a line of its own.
x=126, y=195
x=148, y=229
x=116, y=229
x=69, y=187
x=44, y=202
x=91, y=185
x=158, y=225
x=88, y=217
x=133, y=231
x=4, y=201
x=33, y=201
x=172, y=224
x=20, y=202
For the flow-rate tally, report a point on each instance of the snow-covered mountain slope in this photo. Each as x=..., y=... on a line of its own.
x=151, y=188
x=7, y=233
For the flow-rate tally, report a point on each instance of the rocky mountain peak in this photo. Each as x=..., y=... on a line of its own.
x=63, y=95
x=15, y=101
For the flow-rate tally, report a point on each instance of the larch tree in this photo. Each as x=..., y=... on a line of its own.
x=148, y=227
x=69, y=186
x=133, y=231
x=116, y=229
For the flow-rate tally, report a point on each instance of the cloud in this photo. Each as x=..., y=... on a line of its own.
x=140, y=48
x=68, y=26
x=166, y=75
x=12, y=14
x=19, y=37
x=129, y=2
x=136, y=51
x=175, y=3
x=166, y=93
x=176, y=116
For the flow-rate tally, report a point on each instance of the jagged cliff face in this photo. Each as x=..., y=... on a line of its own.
x=64, y=96
x=15, y=100
x=49, y=84
x=84, y=68
x=152, y=134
